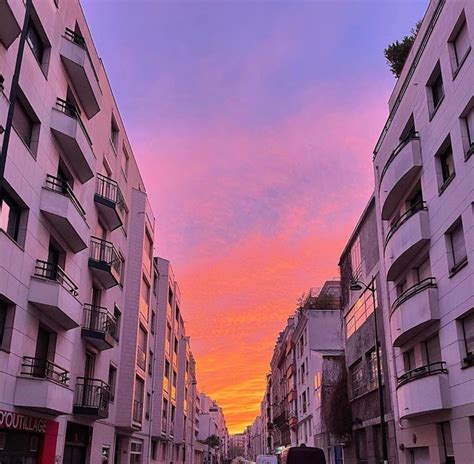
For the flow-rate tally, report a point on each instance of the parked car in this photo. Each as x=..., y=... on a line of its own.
x=302, y=455
x=266, y=459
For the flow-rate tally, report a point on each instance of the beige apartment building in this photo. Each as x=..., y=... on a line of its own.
x=424, y=194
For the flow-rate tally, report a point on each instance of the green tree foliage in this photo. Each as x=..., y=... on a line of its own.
x=397, y=52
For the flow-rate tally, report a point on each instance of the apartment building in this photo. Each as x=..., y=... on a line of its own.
x=283, y=391
x=318, y=365
x=95, y=364
x=364, y=322
x=237, y=445
x=424, y=195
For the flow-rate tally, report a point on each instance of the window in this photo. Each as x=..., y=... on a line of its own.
x=459, y=44
x=112, y=381
x=125, y=161
x=10, y=215
x=138, y=400
x=447, y=442
x=467, y=130
x=118, y=317
x=409, y=360
x=372, y=365
x=154, y=449
x=432, y=350
x=23, y=123
x=136, y=449
x=144, y=298
x=357, y=379
x=435, y=90
x=150, y=362
x=356, y=259
x=153, y=322
x=468, y=334
x=175, y=346
x=141, y=348
x=34, y=41
x=147, y=253
x=114, y=134
x=457, y=256
x=446, y=165
x=148, y=406
x=361, y=310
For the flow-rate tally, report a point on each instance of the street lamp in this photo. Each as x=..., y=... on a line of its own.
x=355, y=286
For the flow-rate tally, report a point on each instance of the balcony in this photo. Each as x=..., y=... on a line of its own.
x=292, y=395
x=78, y=64
x=76, y=145
x=99, y=327
x=9, y=26
x=423, y=390
x=43, y=387
x=399, y=172
x=64, y=212
x=406, y=238
x=55, y=293
x=104, y=263
x=91, y=398
x=109, y=202
x=137, y=412
x=413, y=311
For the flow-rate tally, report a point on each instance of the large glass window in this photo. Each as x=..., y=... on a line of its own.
x=10, y=215
x=357, y=379
x=436, y=87
x=446, y=162
x=34, y=41
x=356, y=259
x=359, y=313
x=144, y=298
x=147, y=254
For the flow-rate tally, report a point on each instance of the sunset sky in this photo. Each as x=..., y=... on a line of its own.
x=253, y=123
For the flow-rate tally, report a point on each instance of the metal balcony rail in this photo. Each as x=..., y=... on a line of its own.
x=429, y=282
x=137, y=412
x=61, y=186
x=108, y=188
x=72, y=111
x=102, y=250
x=92, y=393
x=141, y=358
x=422, y=371
x=44, y=369
x=54, y=272
x=403, y=143
x=98, y=319
x=418, y=206
x=75, y=37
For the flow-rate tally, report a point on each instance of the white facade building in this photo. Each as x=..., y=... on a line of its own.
x=424, y=172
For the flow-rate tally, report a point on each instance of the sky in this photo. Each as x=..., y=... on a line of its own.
x=253, y=123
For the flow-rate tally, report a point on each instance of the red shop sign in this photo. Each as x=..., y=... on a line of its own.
x=14, y=421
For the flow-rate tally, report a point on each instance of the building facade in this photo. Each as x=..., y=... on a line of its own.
x=424, y=179
x=84, y=307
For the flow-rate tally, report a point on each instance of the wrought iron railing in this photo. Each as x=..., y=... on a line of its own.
x=104, y=251
x=92, y=393
x=422, y=371
x=109, y=189
x=98, y=319
x=429, y=282
x=137, y=413
x=72, y=111
x=75, y=37
x=61, y=186
x=51, y=271
x=44, y=369
x=403, y=143
x=417, y=207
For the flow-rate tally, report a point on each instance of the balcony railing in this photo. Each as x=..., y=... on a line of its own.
x=109, y=189
x=54, y=272
x=429, y=282
x=61, y=186
x=98, y=319
x=72, y=111
x=417, y=207
x=141, y=358
x=397, y=150
x=422, y=371
x=137, y=412
x=104, y=251
x=44, y=369
x=92, y=394
x=73, y=36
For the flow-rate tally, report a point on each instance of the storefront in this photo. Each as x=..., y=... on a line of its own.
x=26, y=439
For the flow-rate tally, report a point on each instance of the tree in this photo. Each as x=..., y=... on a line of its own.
x=397, y=52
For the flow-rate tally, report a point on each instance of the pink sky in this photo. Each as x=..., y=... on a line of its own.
x=253, y=123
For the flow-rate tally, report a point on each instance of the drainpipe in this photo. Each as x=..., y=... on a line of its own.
x=14, y=92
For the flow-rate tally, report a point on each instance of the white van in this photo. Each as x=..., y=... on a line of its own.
x=266, y=459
